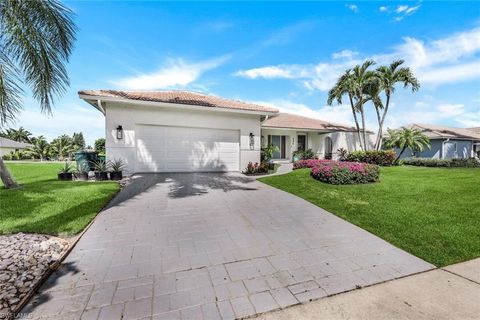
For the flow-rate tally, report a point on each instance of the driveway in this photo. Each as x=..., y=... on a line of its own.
x=211, y=246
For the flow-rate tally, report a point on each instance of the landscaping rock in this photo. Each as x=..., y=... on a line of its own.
x=24, y=258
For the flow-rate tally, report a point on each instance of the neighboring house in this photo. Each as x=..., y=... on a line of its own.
x=476, y=146
x=177, y=131
x=446, y=142
x=8, y=146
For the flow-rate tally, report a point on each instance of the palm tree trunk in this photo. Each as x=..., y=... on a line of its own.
x=377, y=110
x=364, y=130
x=7, y=179
x=400, y=154
x=380, y=124
x=357, y=126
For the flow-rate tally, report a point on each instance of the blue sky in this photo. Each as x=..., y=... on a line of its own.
x=282, y=54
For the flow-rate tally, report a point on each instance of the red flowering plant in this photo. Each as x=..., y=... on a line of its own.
x=336, y=172
x=309, y=163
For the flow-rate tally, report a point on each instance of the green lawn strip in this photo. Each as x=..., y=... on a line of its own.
x=433, y=213
x=45, y=205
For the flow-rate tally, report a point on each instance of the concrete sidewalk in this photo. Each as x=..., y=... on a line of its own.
x=452, y=292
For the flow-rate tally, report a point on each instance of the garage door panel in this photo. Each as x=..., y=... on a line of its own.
x=161, y=148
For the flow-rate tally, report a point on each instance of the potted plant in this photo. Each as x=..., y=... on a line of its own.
x=267, y=155
x=82, y=172
x=116, y=167
x=101, y=170
x=65, y=173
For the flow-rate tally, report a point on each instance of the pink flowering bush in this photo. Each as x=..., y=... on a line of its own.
x=336, y=172
x=309, y=163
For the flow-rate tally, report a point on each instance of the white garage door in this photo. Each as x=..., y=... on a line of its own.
x=178, y=149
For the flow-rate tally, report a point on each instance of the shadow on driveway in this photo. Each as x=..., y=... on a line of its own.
x=183, y=184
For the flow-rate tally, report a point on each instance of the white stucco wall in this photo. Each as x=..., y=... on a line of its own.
x=129, y=115
x=316, y=141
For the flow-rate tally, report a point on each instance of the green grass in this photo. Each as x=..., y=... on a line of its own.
x=45, y=205
x=433, y=213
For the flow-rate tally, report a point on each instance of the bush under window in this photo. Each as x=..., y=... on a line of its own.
x=446, y=163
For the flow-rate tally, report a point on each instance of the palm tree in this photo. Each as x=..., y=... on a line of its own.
x=62, y=147
x=21, y=135
x=404, y=138
x=355, y=83
x=78, y=141
x=40, y=148
x=344, y=87
x=36, y=40
x=388, y=77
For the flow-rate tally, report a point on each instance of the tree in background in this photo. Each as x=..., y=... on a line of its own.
x=36, y=41
x=404, y=138
x=20, y=135
x=100, y=145
x=40, y=148
x=78, y=141
x=62, y=147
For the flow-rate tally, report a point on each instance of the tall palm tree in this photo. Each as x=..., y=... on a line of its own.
x=355, y=83
x=21, y=135
x=40, y=148
x=36, y=41
x=388, y=77
x=78, y=141
x=404, y=138
x=344, y=87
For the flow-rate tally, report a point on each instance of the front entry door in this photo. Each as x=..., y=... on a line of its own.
x=279, y=142
x=302, y=142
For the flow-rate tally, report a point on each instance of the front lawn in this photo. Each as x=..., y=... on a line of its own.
x=433, y=213
x=45, y=205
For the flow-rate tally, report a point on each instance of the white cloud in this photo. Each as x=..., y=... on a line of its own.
x=74, y=118
x=344, y=54
x=177, y=72
x=269, y=72
x=383, y=9
x=352, y=7
x=452, y=59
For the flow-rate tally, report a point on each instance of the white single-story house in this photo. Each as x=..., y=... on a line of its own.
x=180, y=131
x=8, y=146
x=446, y=142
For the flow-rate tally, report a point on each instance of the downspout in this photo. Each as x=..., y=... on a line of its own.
x=443, y=148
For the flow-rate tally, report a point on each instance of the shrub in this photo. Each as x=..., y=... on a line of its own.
x=310, y=163
x=255, y=168
x=336, y=172
x=305, y=155
x=380, y=157
x=446, y=163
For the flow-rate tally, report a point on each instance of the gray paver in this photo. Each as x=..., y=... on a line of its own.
x=213, y=246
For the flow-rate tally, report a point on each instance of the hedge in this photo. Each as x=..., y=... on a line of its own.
x=381, y=157
x=446, y=163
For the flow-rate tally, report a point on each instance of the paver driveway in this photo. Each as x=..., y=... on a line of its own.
x=208, y=246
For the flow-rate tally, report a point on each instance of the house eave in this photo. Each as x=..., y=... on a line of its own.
x=96, y=100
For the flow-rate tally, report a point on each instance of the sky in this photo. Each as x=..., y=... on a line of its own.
x=282, y=54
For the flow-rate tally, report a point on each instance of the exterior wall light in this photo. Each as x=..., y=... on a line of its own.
x=252, y=141
x=119, y=132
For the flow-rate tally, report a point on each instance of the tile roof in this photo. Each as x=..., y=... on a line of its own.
x=7, y=143
x=291, y=121
x=180, y=97
x=475, y=130
x=436, y=131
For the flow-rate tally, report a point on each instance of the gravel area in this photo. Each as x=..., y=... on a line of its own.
x=24, y=258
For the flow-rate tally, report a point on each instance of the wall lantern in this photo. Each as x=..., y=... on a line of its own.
x=119, y=132
x=252, y=141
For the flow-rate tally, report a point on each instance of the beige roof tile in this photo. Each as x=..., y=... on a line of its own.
x=180, y=97
x=437, y=131
x=291, y=121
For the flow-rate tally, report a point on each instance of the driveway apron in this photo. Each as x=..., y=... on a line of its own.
x=212, y=246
